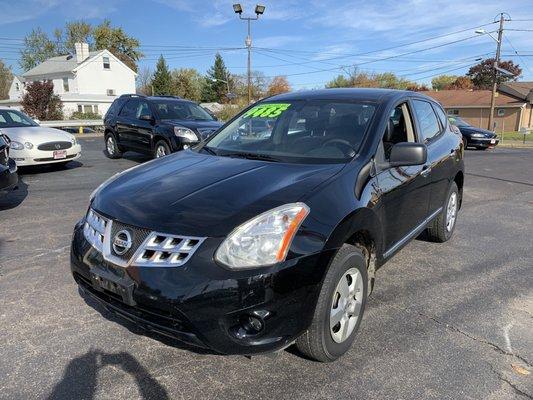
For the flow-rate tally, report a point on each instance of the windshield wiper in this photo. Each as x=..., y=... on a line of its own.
x=209, y=150
x=252, y=156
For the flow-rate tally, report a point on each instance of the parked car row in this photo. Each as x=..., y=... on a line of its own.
x=250, y=241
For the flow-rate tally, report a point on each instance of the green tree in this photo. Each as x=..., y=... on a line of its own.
x=162, y=80
x=6, y=77
x=40, y=102
x=340, y=81
x=187, y=83
x=481, y=74
x=124, y=47
x=76, y=32
x=37, y=48
x=215, y=86
x=442, y=82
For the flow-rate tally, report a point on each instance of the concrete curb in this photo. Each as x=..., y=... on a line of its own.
x=88, y=135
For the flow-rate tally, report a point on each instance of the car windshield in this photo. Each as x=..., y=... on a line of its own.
x=184, y=110
x=320, y=131
x=15, y=119
x=458, y=121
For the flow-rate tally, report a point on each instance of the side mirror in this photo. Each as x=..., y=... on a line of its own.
x=146, y=117
x=407, y=153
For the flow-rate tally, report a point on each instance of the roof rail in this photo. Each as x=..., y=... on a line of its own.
x=133, y=95
x=163, y=95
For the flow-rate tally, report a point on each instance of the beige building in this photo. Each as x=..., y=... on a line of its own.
x=514, y=106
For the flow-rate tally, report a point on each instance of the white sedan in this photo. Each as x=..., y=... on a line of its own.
x=32, y=144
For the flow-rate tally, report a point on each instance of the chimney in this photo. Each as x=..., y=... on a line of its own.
x=82, y=52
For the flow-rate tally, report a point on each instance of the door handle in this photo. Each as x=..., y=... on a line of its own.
x=426, y=169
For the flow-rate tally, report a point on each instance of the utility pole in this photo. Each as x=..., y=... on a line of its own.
x=495, y=73
x=259, y=10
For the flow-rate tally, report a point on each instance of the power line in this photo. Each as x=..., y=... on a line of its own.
x=516, y=52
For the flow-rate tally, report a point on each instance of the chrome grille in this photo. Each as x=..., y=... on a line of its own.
x=148, y=248
x=94, y=229
x=163, y=250
x=49, y=146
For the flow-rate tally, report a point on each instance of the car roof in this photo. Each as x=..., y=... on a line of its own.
x=361, y=94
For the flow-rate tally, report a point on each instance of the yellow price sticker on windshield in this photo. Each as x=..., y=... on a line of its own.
x=270, y=110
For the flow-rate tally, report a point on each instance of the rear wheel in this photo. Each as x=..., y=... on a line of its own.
x=111, y=147
x=465, y=141
x=339, y=309
x=161, y=149
x=443, y=226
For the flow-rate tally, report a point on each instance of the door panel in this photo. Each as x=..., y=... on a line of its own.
x=141, y=130
x=125, y=122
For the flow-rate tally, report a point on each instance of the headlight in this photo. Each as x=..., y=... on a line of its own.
x=479, y=135
x=185, y=133
x=28, y=145
x=16, y=146
x=263, y=240
x=74, y=141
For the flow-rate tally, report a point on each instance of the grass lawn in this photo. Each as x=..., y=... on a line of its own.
x=515, y=138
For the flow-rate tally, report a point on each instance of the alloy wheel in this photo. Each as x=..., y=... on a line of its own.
x=346, y=305
x=110, y=145
x=451, y=212
x=161, y=151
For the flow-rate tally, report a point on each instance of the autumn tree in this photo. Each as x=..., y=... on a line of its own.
x=123, y=46
x=162, y=80
x=40, y=102
x=461, y=83
x=6, y=77
x=481, y=74
x=144, y=81
x=442, y=82
x=37, y=48
x=370, y=80
x=279, y=85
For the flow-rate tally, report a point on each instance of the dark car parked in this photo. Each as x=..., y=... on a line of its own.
x=8, y=167
x=155, y=125
x=475, y=137
x=249, y=243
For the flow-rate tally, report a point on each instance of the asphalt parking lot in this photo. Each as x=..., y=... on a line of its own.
x=446, y=321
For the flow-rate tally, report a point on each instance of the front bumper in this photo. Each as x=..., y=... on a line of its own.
x=8, y=176
x=483, y=142
x=203, y=304
x=34, y=156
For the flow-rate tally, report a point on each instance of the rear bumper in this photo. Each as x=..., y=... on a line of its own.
x=204, y=305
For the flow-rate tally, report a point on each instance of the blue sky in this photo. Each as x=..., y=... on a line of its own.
x=309, y=41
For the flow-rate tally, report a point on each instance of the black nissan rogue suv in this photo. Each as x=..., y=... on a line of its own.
x=253, y=241
x=156, y=125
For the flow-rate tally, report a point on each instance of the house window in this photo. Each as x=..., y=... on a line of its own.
x=87, y=108
x=110, y=92
x=106, y=63
x=95, y=108
x=501, y=112
x=65, y=85
x=80, y=108
x=17, y=88
x=453, y=111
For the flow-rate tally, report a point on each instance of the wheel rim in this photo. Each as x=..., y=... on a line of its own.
x=451, y=212
x=110, y=145
x=161, y=151
x=346, y=305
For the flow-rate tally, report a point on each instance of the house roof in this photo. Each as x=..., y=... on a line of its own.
x=472, y=98
x=60, y=64
x=517, y=89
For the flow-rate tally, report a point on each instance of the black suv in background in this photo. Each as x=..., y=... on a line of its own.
x=155, y=125
x=8, y=168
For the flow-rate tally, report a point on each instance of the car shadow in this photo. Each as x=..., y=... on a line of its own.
x=132, y=156
x=80, y=378
x=45, y=168
x=15, y=197
x=135, y=329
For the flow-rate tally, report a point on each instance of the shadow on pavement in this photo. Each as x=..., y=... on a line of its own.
x=40, y=169
x=132, y=156
x=15, y=197
x=79, y=380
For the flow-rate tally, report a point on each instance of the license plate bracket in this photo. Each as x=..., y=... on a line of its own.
x=104, y=281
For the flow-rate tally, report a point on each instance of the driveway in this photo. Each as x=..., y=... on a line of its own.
x=446, y=321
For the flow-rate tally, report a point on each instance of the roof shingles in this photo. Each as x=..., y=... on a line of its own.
x=472, y=98
x=58, y=65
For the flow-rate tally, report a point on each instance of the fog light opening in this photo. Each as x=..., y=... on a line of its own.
x=252, y=324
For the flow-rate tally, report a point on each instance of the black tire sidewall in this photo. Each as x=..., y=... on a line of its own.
x=453, y=188
x=345, y=261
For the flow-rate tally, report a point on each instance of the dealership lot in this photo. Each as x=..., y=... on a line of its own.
x=449, y=320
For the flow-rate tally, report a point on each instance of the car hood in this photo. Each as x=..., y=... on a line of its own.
x=36, y=134
x=194, y=194
x=205, y=128
x=468, y=130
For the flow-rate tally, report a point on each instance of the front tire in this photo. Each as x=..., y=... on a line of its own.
x=112, y=150
x=443, y=226
x=161, y=149
x=339, y=309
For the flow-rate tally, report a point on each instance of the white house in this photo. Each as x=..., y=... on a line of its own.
x=88, y=81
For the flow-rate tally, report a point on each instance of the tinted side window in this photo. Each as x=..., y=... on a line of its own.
x=130, y=109
x=427, y=120
x=441, y=115
x=142, y=109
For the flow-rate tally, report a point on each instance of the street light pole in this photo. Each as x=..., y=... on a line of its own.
x=259, y=10
x=495, y=73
